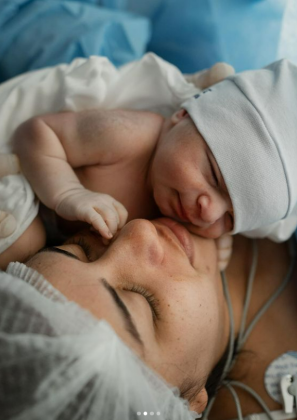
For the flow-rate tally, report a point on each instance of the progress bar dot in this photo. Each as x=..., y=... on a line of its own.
x=152, y=413
x=145, y=413
x=138, y=413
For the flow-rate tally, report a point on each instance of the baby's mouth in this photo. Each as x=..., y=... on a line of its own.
x=183, y=215
x=180, y=211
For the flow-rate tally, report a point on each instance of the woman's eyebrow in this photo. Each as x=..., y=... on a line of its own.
x=58, y=251
x=130, y=326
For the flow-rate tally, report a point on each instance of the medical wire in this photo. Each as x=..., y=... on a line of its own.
x=244, y=334
x=231, y=342
x=248, y=292
x=236, y=400
x=254, y=394
x=270, y=300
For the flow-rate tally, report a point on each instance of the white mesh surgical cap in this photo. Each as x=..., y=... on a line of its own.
x=249, y=121
x=57, y=362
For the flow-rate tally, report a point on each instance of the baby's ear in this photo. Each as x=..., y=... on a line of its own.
x=179, y=115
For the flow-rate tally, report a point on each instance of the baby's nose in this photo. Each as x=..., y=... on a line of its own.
x=210, y=209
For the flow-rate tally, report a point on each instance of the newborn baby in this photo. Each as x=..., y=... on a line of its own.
x=101, y=166
x=213, y=174
x=214, y=165
x=106, y=176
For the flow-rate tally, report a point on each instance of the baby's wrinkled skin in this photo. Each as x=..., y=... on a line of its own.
x=105, y=168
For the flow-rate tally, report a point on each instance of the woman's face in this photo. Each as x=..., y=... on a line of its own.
x=180, y=327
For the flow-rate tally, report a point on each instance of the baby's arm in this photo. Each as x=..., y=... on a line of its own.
x=26, y=245
x=51, y=146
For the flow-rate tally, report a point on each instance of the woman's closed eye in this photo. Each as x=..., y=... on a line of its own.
x=91, y=252
x=150, y=298
x=80, y=241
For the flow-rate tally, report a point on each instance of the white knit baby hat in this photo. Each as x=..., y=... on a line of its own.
x=249, y=121
x=58, y=362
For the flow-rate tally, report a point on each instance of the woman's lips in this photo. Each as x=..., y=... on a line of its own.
x=182, y=234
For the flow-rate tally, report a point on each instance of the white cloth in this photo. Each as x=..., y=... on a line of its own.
x=249, y=121
x=278, y=232
x=151, y=84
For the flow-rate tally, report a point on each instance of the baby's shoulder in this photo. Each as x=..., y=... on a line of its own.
x=119, y=134
x=131, y=132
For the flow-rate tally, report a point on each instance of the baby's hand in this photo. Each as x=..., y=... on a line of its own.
x=205, y=78
x=224, y=247
x=105, y=214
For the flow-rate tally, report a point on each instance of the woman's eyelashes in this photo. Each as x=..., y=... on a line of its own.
x=83, y=244
x=134, y=288
x=150, y=298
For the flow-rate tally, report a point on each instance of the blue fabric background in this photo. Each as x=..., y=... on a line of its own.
x=192, y=34
x=41, y=33
x=195, y=34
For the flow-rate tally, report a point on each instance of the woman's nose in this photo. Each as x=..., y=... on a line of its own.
x=211, y=209
x=144, y=242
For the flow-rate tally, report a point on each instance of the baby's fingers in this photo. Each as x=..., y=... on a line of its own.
x=99, y=224
x=122, y=213
x=224, y=247
x=110, y=218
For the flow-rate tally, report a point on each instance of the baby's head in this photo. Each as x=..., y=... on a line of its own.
x=186, y=180
x=227, y=160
